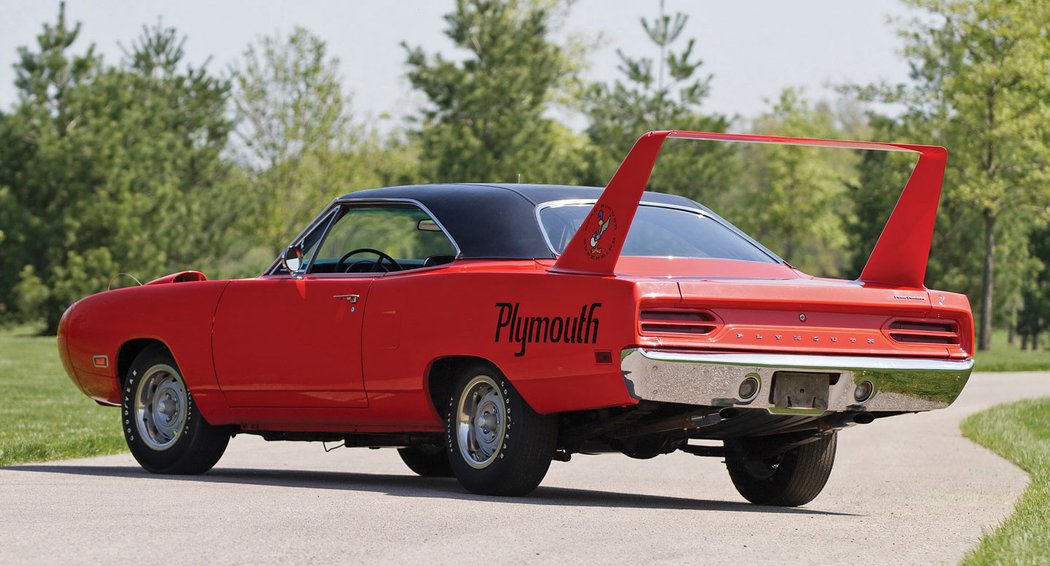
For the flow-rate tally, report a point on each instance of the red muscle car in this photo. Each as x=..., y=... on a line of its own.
x=486, y=329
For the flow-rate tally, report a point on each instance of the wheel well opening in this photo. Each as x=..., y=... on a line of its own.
x=442, y=376
x=128, y=351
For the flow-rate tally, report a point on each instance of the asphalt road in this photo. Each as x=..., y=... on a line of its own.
x=908, y=489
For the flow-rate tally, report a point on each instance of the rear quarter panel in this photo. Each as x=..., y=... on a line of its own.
x=505, y=315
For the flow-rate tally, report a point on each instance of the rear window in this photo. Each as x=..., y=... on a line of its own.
x=658, y=232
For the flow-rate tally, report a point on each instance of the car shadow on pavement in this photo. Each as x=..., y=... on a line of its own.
x=413, y=486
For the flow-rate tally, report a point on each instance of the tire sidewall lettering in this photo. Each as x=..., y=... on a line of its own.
x=450, y=416
x=135, y=443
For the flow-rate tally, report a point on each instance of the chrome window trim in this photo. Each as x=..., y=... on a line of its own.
x=336, y=204
x=698, y=211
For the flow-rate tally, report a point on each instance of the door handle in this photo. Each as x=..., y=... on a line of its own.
x=352, y=297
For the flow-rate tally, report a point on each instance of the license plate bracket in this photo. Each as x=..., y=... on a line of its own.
x=801, y=390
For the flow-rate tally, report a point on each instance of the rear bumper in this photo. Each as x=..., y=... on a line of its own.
x=899, y=384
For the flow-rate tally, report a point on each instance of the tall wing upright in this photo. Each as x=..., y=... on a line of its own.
x=597, y=244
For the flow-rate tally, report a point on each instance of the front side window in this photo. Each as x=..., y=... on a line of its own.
x=658, y=232
x=308, y=243
x=382, y=238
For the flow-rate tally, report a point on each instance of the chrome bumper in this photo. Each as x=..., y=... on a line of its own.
x=900, y=384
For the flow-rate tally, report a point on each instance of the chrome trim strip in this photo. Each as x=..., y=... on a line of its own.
x=901, y=384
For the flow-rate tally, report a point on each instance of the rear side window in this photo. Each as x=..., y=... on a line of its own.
x=658, y=232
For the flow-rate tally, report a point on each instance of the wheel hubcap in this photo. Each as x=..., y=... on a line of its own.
x=481, y=421
x=160, y=407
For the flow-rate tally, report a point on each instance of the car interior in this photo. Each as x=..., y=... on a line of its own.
x=374, y=238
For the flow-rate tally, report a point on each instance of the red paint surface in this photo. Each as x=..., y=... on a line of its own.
x=279, y=341
x=275, y=353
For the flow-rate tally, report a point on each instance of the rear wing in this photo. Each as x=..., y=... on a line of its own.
x=898, y=260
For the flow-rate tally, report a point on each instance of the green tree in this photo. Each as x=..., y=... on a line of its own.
x=292, y=119
x=45, y=76
x=176, y=129
x=486, y=114
x=1034, y=319
x=794, y=198
x=297, y=136
x=980, y=86
x=13, y=218
x=44, y=79
x=952, y=262
x=660, y=93
x=120, y=168
x=881, y=176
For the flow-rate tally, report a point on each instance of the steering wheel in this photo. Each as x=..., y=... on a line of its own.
x=375, y=266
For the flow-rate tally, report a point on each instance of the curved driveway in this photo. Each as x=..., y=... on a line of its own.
x=906, y=489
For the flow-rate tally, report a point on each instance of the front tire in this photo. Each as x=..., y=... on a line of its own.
x=788, y=480
x=162, y=427
x=497, y=445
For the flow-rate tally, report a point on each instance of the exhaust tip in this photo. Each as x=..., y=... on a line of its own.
x=863, y=418
x=863, y=391
x=749, y=388
x=729, y=412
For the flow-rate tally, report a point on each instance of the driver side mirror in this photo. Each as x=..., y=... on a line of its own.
x=293, y=260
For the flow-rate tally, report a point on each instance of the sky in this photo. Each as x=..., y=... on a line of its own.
x=754, y=48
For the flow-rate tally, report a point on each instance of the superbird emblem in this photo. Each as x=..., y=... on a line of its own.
x=603, y=220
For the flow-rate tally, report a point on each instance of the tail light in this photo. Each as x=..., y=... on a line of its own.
x=916, y=331
x=676, y=321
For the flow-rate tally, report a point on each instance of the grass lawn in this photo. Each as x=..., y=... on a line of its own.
x=1019, y=432
x=1004, y=357
x=44, y=416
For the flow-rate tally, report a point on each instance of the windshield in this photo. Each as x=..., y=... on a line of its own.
x=658, y=231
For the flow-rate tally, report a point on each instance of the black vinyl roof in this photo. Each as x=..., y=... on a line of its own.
x=497, y=220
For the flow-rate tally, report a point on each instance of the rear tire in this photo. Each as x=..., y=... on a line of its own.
x=789, y=480
x=162, y=427
x=427, y=461
x=497, y=445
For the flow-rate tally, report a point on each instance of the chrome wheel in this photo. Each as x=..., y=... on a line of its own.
x=160, y=406
x=481, y=421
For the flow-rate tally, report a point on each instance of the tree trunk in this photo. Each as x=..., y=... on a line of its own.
x=50, y=325
x=984, y=340
x=1011, y=336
